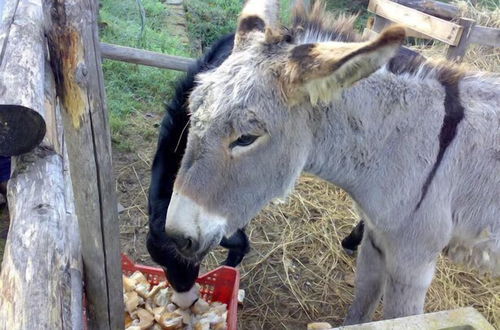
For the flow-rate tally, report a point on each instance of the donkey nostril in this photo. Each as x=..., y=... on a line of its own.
x=183, y=243
x=188, y=244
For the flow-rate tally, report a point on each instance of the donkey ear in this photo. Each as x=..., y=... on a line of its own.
x=256, y=17
x=323, y=68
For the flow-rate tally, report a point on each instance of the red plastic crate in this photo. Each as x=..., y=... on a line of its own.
x=221, y=284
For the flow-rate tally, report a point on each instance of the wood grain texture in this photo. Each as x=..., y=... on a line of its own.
x=37, y=268
x=76, y=59
x=21, y=75
x=41, y=277
x=435, y=8
x=456, y=53
x=145, y=57
x=380, y=23
x=485, y=36
x=434, y=27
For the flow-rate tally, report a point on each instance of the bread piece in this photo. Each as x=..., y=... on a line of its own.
x=162, y=298
x=131, y=300
x=170, y=321
x=142, y=289
x=202, y=324
x=146, y=319
x=319, y=326
x=200, y=306
x=156, y=289
x=128, y=283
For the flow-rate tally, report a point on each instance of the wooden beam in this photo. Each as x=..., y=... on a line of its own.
x=76, y=59
x=435, y=8
x=41, y=274
x=485, y=36
x=456, y=53
x=21, y=65
x=38, y=278
x=380, y=23
x=434, y=27
x=145, y=57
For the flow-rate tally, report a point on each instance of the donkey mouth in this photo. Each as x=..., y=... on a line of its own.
x=196, y=256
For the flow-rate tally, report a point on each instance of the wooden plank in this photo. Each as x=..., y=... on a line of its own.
x=75, y=56
x=41, y=277
x=456, y=53
x=380, y=23
x=434, y=27
x=21, y=64
x=145, y=57
x=439, y=9
x=485, y=36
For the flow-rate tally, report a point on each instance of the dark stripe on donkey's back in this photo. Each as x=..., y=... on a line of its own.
x=454, y=113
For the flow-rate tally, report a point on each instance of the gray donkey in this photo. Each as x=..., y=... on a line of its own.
x=415, y=143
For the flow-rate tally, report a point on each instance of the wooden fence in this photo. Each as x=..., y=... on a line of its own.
x=64, y=226
x=432, y=20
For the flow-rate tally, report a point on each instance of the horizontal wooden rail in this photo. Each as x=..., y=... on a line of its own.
x=434, y=27
x=435, y=8
x=481, y=35
x=485, y=36
x=145, y=57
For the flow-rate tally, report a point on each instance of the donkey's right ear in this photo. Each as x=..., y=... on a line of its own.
x=318, y=71
x=256, y=17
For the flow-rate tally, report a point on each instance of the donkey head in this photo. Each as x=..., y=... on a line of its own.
x=251, y=128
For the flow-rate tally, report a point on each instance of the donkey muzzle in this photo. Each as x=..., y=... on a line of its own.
x=193, y=229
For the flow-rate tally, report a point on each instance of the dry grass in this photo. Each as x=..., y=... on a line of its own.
x=296, y=271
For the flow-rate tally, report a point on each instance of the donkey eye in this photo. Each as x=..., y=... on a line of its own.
x=243, y=141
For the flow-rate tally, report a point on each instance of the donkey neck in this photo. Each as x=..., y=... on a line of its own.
x=367, y=132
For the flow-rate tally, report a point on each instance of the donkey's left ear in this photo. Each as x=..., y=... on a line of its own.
x=256, y=17
x=321, y=69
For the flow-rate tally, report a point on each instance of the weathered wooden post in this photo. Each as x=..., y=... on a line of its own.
x=456, y=53
x=21, y=65
x=76, y=61
x=41, y=276
x=63, y=189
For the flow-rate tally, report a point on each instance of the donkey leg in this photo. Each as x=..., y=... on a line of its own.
x=351, y=242
x=370, y=279
x=406, y=286
x=238, y=246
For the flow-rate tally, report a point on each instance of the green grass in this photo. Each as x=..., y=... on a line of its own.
x=208, y=20
x=355, y=7
x=132, y=88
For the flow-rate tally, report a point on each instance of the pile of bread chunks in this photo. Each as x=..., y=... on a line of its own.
x=149, y=307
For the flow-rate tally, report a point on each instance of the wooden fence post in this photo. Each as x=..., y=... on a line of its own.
x=21, y=65
x=41, y=278
x=76, y=59
x=456, y=53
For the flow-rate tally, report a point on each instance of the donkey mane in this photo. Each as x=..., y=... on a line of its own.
x=319, y=25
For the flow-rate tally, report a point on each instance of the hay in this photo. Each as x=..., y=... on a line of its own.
x=296, y=271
